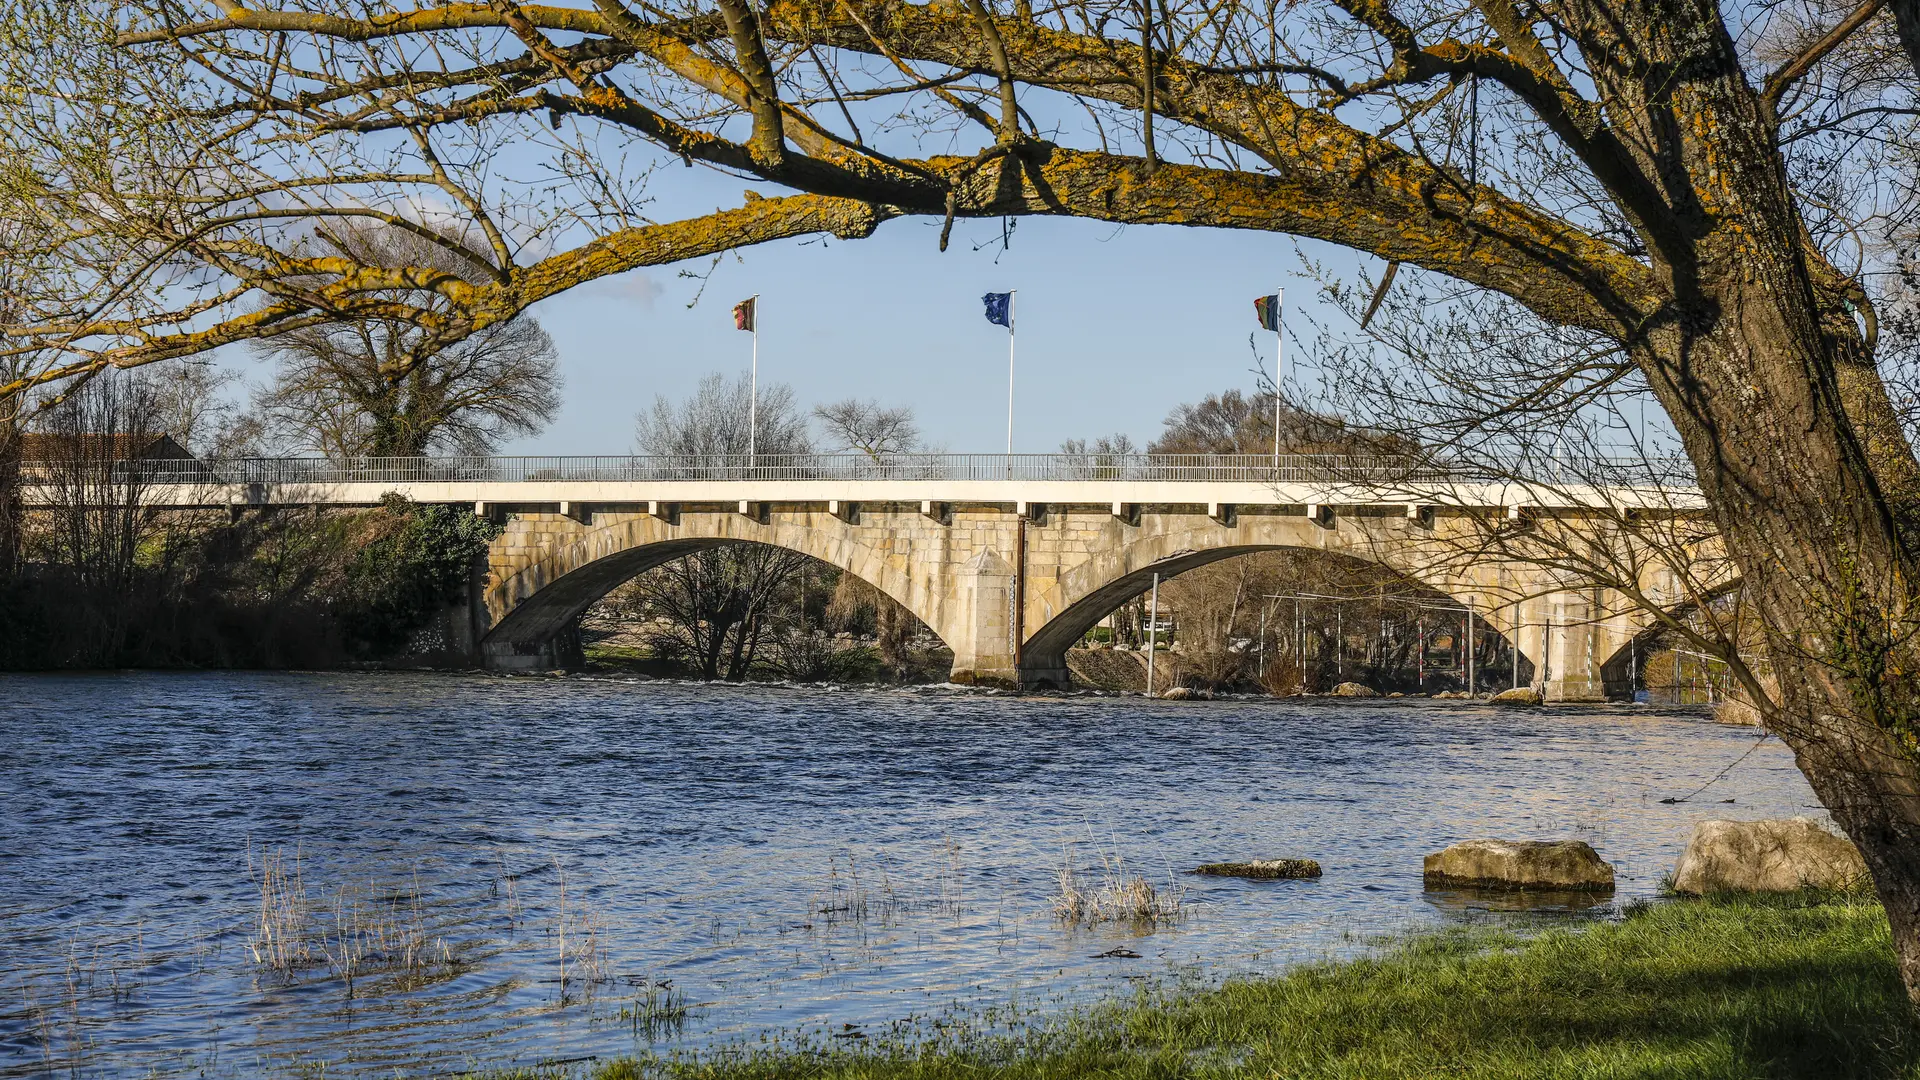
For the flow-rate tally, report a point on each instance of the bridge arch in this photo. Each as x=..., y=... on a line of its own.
x=1090, y=591
x=1624, y=668
x=548, y=569
x=1010, y=587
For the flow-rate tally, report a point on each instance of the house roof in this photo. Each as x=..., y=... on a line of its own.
x=41, y=446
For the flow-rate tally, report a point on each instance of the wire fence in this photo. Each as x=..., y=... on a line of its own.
x=1190, y=468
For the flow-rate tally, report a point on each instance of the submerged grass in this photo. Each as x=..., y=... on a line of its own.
x=1118, y=896
x=1796, y=986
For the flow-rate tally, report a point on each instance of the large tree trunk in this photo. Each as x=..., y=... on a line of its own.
x=1798, y=495
x=1770, y=383
x=1825, y=561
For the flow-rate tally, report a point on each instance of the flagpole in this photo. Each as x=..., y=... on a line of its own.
x=1011, y=295
x=753, y=393
x=1279, y=362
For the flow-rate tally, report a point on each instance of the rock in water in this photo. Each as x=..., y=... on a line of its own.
x=1519, y=695
x=1563, y=865
x=1263, y=869
x=1766, y=856
x=1353, y=689
x=1186, y=693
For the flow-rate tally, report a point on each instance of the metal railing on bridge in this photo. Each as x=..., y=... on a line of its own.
x=1376, y=470
x=1245, y=468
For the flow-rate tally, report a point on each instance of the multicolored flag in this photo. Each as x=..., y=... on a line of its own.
x=999, y=308
x=1267, y=310
x=743, y=314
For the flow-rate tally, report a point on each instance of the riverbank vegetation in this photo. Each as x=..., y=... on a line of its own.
x=93, y=576
x=1730, y=987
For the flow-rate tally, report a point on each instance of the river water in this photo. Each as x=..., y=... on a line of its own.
x=524, y=870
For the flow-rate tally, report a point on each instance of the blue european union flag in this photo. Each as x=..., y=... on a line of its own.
x=999, y=308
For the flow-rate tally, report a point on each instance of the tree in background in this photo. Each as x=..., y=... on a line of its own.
x=866, y=427
x=714, y=605
x=1103, y=458
x=83, y=454
x=1234, y=423
x=376, y=386
x=712, y=430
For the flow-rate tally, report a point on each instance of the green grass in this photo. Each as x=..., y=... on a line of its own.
x=1799, y=986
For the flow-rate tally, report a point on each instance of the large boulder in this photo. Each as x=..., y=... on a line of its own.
x=1353, y=689
x=1767, y=856
x=1559, y=865
x=1519, y=695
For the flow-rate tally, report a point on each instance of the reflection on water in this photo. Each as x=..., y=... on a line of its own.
x=226, y=874
x=1469, y=901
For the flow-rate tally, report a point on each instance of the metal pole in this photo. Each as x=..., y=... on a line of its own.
x=1420, y=656
x=753, y=393
x=1279, y=354
x=1470, y=684
x=1153, y=631
x=1010, y=321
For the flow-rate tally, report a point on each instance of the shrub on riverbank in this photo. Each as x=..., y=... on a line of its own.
x=286, y=589
x=1794, y=986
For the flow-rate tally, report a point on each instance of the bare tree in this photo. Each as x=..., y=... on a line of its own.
x=1235, y=423
x=1103, y=458
x=191, y=406
x=1691, y=198
x=716, y=602
x=714, y=427
x=85, y=457
x=866, y=427
x=717, y=605
x=385, y=387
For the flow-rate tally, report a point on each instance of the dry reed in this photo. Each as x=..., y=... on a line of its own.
x=1118, y=895
x=352, y=935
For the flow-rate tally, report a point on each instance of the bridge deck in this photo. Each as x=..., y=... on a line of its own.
x=978, y=479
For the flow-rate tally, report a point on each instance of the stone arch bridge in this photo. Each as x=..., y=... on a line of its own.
x=1009, y=560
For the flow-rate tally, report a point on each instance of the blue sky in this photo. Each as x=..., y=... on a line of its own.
x=1116, y=326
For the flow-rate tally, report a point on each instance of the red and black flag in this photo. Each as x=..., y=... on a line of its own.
x=1267, y=310
x=743, y=314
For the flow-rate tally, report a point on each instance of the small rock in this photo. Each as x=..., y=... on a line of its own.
x=1262, y=869
x=1449, y=695
x=1519, y=695
x=1766, y=856
x=1353, y=689
x=1396, y=693
x=1187, y=693
x=1564, y=865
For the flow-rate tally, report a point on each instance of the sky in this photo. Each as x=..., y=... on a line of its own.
x=1115, y=327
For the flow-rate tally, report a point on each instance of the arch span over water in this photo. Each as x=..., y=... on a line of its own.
x=1009, y=589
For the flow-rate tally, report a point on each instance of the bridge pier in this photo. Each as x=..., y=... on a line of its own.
x=557, y=652
x=981, y=631
x=1575, y=639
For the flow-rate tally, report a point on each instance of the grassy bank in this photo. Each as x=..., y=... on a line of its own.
x=1786, y=987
